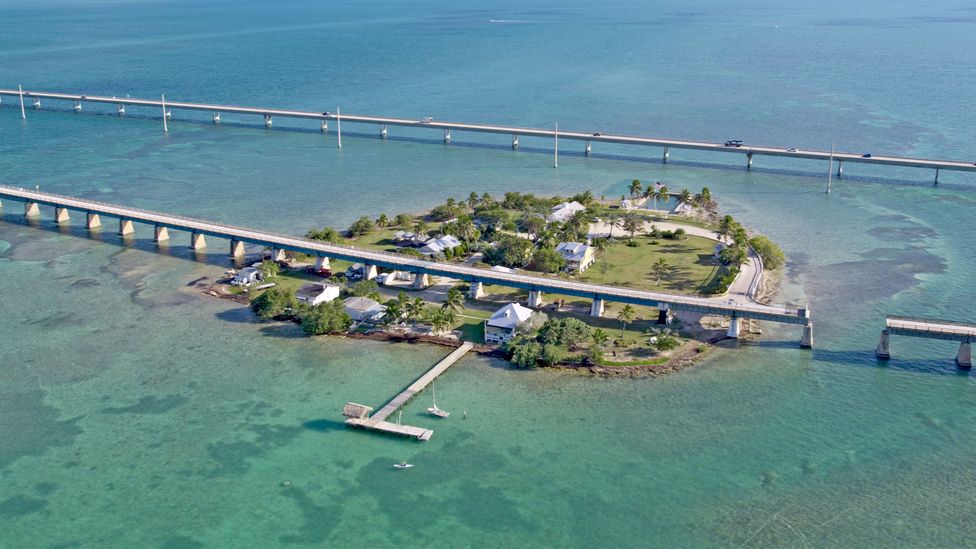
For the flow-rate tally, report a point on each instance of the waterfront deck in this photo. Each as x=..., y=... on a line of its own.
x=377, y=422
x=589, y=137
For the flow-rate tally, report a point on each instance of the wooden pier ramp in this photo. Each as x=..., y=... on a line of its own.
x=359, y=414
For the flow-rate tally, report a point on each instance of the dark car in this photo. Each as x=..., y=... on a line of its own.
x=596, y=134
x=327, y=113
x=733, y=143
x=866, y=155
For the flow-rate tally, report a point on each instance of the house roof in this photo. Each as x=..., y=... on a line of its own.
x=572, y=251
x=361, y=304
x=439, y=244
x=246, y=271
x=565, y=210
x=510, y=316
x=314, y=289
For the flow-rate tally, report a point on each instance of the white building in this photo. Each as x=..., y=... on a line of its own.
x=578, y=256
x=246, y=277
x=565, y=211
x=500, y=327
x=314, y=293
x=437, y=246
x=363, y=308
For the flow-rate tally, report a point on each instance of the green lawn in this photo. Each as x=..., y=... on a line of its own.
x=694, y=265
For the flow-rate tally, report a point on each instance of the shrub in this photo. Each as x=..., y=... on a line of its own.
x=361, y=226
x=326, y=318
x=551, y=355
x=327, y=234
x=273, y=303
x=548, y=260
x=666, y=342
x=404, y=220
x=524, y=353
x=770, y=253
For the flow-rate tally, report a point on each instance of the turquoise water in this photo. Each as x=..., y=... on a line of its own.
x=135, y=413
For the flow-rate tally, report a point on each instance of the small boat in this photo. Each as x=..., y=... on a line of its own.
x=403, y=465
x=434, y=410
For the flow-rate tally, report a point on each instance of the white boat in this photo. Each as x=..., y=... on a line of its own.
x=403, y=465
x=434, y=410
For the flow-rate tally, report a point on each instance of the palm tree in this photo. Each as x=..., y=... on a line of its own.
x=684, y=197
x=660, y=269
x=440, y=320
x=624, y=316
x=421, y=228
x=612, y=221
x=632, y=223
x=394, y=311
x=486, y=200
x=472, y=200
x=466, y=229
x=726, y=227
x=455, y=300
x=662, y=194
x=382, y=221
x=706, y=197
x=600, y=338
x=415, y=309
x=635, y=188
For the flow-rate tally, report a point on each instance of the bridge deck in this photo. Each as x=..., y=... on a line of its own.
x=514, y=130
x=406, y=263
x=377, y=421
x=930, y=328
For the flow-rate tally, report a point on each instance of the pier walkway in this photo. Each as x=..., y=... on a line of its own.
x=377, y=421
x=930, y=329
x=589, y=137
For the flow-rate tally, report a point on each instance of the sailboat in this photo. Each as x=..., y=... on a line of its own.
x=434, y=410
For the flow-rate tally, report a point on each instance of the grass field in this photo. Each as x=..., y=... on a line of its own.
x=692, y=259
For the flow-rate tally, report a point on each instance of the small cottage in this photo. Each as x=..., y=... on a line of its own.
x=246, y=277
x=565, y=211
x=313, y=293
x=501, y=326
x=363, y=308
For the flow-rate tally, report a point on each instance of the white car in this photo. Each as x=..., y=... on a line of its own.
x=791, y=150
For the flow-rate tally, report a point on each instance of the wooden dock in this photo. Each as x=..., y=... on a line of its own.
x=377, y=421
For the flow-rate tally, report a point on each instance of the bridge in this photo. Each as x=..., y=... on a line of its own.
x=930, y=329
x=536, y=284
x=588, y=137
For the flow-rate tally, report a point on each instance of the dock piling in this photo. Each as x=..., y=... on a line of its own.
x=339, y=126
x=162, y=100
x=23, y=113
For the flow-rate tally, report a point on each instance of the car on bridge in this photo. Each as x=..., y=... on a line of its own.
x=733, y=143
x=866, y=155
x=792, y=150
x=426, y=120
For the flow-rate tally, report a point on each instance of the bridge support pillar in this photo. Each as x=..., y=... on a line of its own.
x=267, y=121
x=61, y=215
x=216, y=118
x=322, y=263
x=535, y=299
x=936, y=176
x=37, y=102
x=236, y=248
x=806, y=342
x=840, y=169
x=77, y=106
x=476, y=290
x=383, y=131
x=31, y=209
x=197, y=242
x=748, y=161
x=120, y=110
x=92, y=221
x=447, y=135
x=369, y=272
x=169, y=114
x=882, y=351
x=324, y=127
x=596, y=309
x=515, y=143
x=160, y=234
x=125, y=227
x=663, y=314
x=420, y=281
x=964, y=358
x=277, y=254
x=734, y=328
x=667, y=155
x=588, y=149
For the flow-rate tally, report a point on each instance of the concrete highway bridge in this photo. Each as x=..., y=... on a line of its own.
x=588, y=137
x=930, y=329
x=477, y=277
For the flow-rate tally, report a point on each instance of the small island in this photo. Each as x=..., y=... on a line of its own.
x=652, y=239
